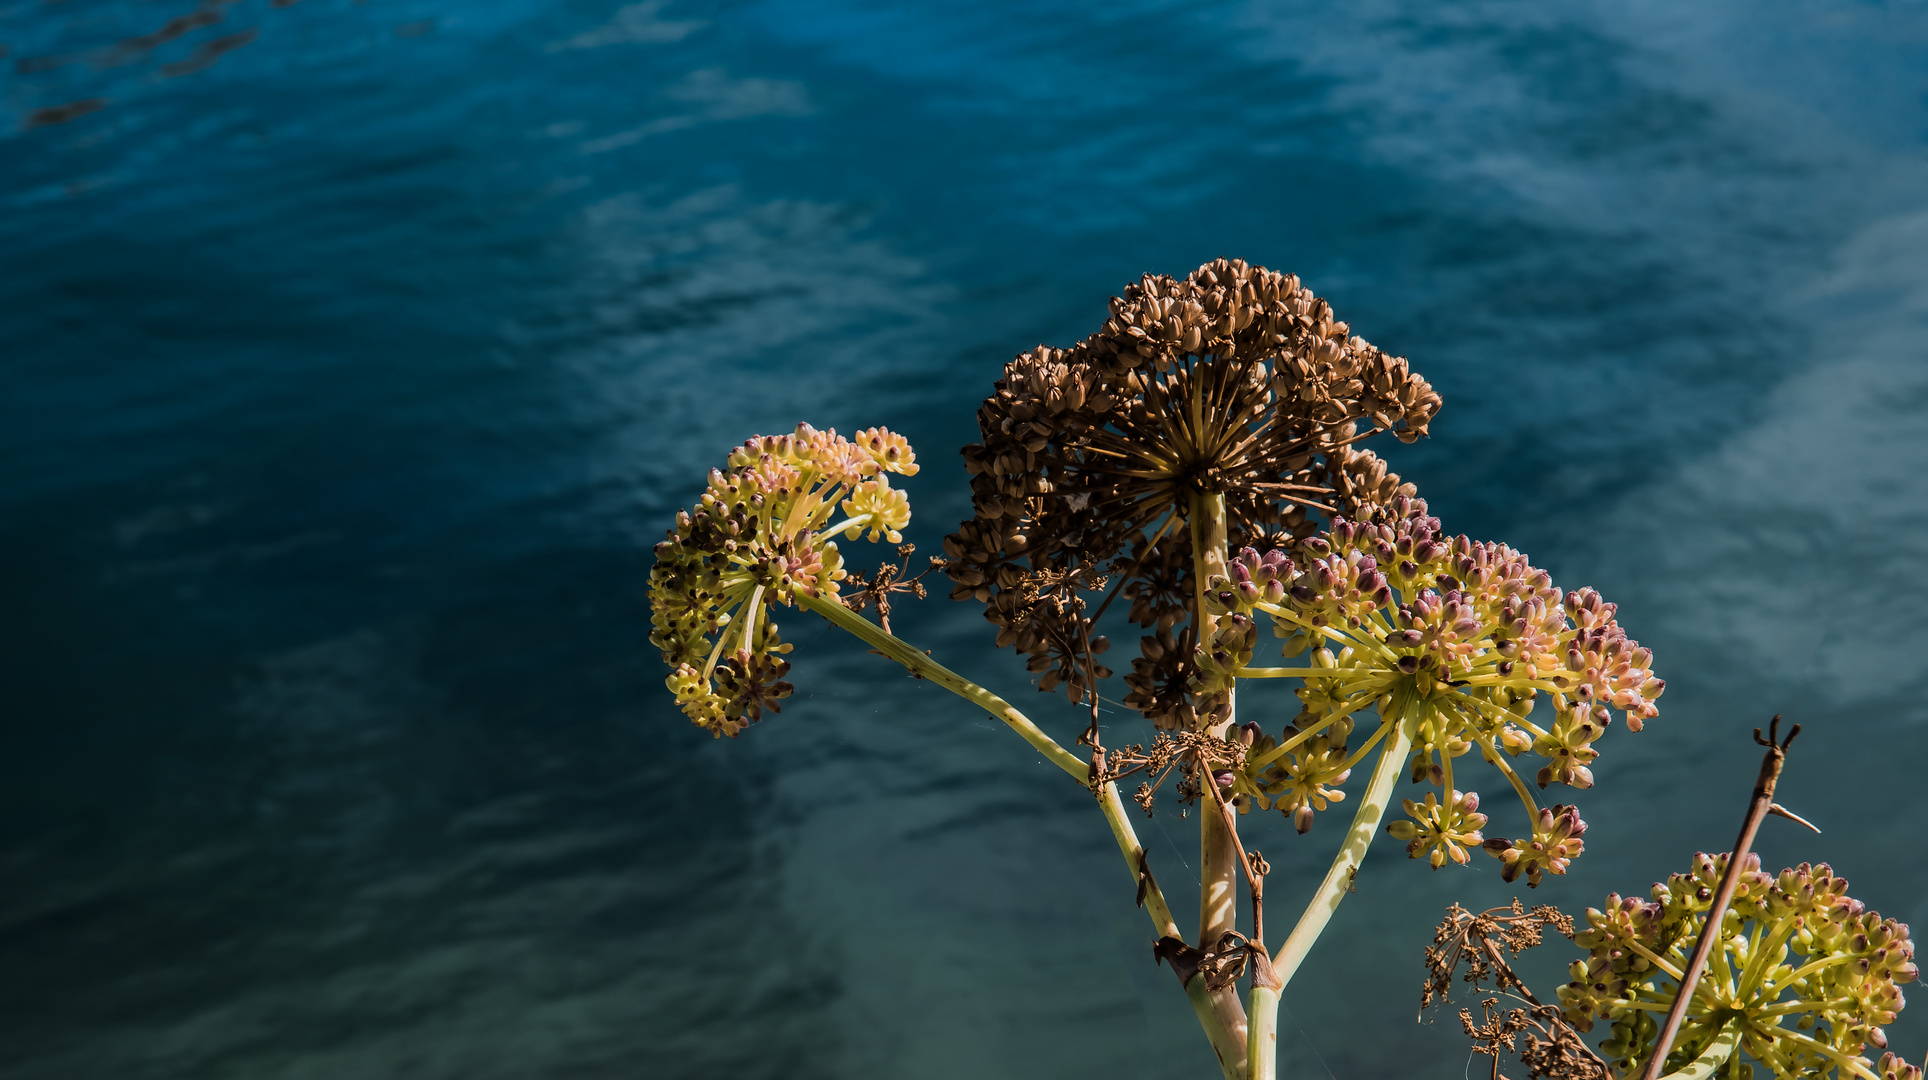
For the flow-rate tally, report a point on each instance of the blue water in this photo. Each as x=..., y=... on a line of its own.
x=355, y=353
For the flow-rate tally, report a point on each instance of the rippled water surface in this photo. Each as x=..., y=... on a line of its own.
x=355, y=354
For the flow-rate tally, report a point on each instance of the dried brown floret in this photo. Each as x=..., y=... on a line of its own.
x=1235, y=382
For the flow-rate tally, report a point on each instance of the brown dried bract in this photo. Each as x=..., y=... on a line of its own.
x=1479, y=943
x=1236, y=381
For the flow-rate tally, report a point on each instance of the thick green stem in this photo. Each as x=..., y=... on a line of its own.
x=1262, y=1035
x=1228, y=1047
x=1338, y=879
x=1713, y=1057
x=1217, y=852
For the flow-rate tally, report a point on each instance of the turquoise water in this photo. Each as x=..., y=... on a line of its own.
x=355, y=354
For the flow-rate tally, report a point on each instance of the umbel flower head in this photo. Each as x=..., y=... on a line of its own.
x=756, y=538
x=1236, y=382
x=1808, y=974
x=1458, y=639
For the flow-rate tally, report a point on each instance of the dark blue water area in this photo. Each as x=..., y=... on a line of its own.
x=356, y=353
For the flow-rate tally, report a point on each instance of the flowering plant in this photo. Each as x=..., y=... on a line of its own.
x=1198, y=456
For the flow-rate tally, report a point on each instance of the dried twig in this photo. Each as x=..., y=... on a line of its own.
x=1757, y=809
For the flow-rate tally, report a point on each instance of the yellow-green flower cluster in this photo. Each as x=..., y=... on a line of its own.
x=1445, y=830
x=1806, y=971
x=1303, y=778
x=756, y=538
x=1458, y=638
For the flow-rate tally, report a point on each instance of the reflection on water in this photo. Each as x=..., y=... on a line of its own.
x=351, y=374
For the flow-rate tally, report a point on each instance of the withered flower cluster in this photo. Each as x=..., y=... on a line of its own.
x=1236, y=381
x=756, y=538
x=1806, y=971
x=1475, y=946
x=1457, y=637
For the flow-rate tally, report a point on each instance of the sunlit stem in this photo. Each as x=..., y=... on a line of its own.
x=1372, y=807
x=806, y=503
x=1497, y=758
x=1818, y=965
x=1227, y=1045
x=1854, y=1065
x=1540, y=682
x=1713, y=1057
x=723, y=635
x=923, y=666
x=1723, y=971
x=1260, y=761
x=1659, y=961
x=1765, y=947
x=1217, y=852
x=755, y=608
x=1262, y=1038
x=1134, y=852
x=1359, y=755
x=1366, y=641
x=1786, y=1007
x=1281, y=672
x=1744, y=978
x=857, y=522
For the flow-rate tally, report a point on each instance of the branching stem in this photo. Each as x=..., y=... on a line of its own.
x=1226, y=1038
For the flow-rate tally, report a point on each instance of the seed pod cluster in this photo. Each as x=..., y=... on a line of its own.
x=1810, y=974
x=1236, y=381
x=756, y=538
